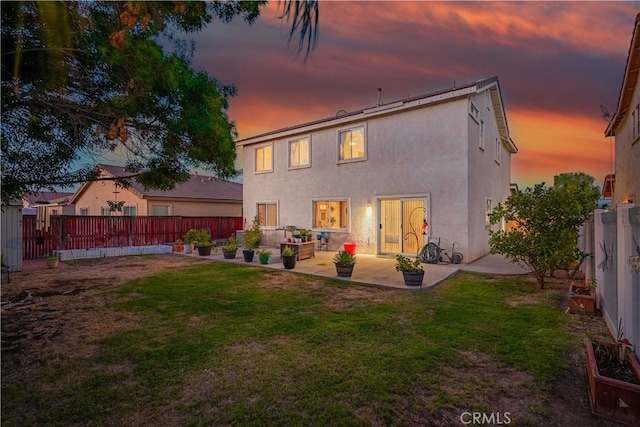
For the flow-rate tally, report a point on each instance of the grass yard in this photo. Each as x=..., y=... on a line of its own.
x=226, y=344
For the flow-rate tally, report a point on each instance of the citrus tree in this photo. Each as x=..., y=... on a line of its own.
x=543, y=223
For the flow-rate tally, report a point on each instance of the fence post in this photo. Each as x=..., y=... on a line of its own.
x=625, y=295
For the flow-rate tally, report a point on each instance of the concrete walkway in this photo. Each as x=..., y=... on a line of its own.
x=379, y=270
x=369, y=269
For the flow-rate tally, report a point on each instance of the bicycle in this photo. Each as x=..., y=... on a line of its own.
x=431, y=253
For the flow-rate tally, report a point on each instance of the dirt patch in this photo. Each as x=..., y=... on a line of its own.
x=60, y=314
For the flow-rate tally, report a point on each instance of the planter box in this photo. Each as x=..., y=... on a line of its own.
x=580, y=301
x=610, y=398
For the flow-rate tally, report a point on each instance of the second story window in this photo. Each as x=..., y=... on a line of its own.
x=481, y=142
x=498, y=151
x=352, y=144
x=299, y=153
x=264, y=158
x=635, y=121
x=474, y=112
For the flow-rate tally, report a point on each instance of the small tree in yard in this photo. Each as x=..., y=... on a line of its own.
x=545, y=222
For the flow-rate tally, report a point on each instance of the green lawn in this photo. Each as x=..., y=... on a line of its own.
x=226, y=344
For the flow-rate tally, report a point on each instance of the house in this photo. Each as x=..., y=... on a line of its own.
x=200, y=196
x=373, y=176
x=43, y=204
x=625, y=127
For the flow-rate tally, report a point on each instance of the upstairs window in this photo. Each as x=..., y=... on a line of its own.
x=474, y=112
x=635, y=121
x=84, y=211
x=264, y=158
x=352, y=144
x=498, y=151
x=299, y=153
x=481, y=142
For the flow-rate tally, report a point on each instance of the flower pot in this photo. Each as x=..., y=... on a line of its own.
x=264, y=259
x=247, y=254
x=52, y=263
x=204, y=250
x=188, y=248
x=413, y=278
x=289, y=262
x=178, y=248
x=344, y=270
x=229, y=254
x=611, y=398
x=581, y=300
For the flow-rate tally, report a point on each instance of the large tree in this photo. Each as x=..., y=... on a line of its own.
x=543, y=223
x=83, y=78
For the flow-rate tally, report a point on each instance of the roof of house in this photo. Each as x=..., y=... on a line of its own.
x=629, y=81
x=46, y=198
x=198, y=187
x=491, y=84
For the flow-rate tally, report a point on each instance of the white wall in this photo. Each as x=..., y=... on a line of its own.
x=12, y=236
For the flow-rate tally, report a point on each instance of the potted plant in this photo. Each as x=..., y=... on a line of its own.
x=190, y=239
x=614, y=380
x=582, y=297
x=305, y=235
x=204, y=242
x=264, y=256
x=230, y=247
x=412, y=271
x=344, y=262
x=288, y=258
x=251, y=239
x=177, y=246
x=52, y=261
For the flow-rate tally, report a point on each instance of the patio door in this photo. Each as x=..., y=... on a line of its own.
x=400, y=228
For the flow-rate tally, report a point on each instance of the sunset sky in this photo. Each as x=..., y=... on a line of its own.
x=557, y=62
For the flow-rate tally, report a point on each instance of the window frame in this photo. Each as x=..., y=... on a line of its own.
x=104, y=209
x=474, y=112
x=255, y=158
x=297, y=141
x=264, y=218
x=481, y=137
x=329, y=201
x=84, y=211
x=488, y=208
x=135, y=207
x=365, y=148
x=498, y=156
x=154, y=206
x=635, y=123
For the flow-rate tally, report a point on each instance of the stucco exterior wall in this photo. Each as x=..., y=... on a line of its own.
x=489, y=174
x=627, y=157
x=95, y=195
x=423, y=153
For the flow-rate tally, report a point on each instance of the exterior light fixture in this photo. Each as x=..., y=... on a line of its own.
x=369, y=210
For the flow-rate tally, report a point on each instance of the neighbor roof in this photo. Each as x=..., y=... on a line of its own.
x=199, y=188
x=491, y=84
x=46, y=198
x=629, y=81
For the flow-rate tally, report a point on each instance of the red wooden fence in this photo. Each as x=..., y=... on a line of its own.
x=85, y=232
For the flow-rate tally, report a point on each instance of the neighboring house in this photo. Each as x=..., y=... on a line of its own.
x=200, y=196
x=373, y=175
x=625, y=127
x=54, y=203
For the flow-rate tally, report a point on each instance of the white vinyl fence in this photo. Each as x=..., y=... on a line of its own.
x=613, y=238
